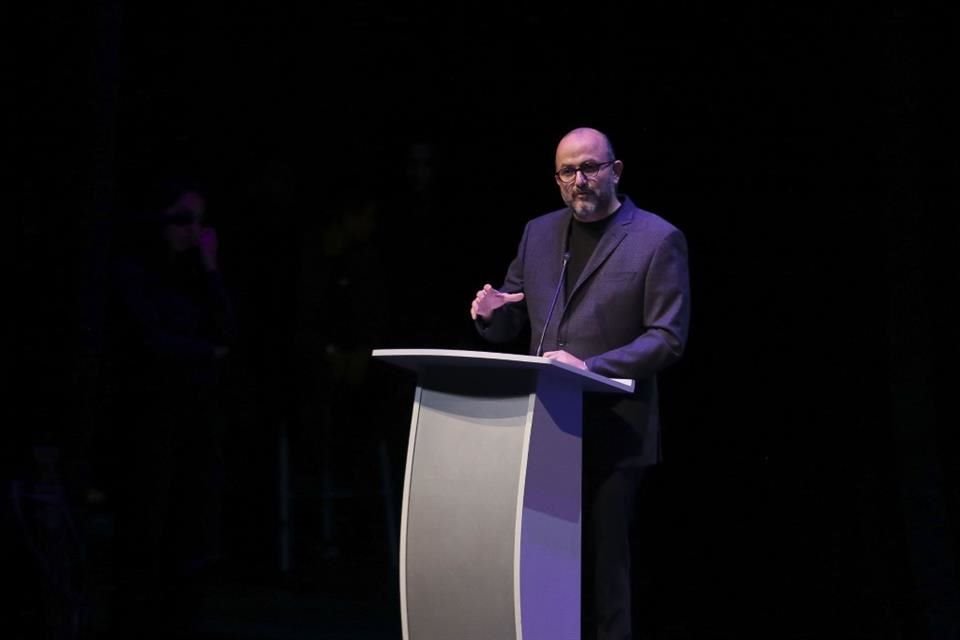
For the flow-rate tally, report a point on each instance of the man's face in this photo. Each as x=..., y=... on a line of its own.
x=591, y=198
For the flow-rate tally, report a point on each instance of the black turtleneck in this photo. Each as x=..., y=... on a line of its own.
x=583, y=239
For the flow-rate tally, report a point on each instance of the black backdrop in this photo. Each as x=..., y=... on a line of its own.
x=807, y=154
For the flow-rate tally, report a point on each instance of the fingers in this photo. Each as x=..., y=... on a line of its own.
x=485, y=299
x=488, y=299
x=478, y=300
x=565, y=358
x=489, y=291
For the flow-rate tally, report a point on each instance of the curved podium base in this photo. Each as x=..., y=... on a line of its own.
x=490, y=537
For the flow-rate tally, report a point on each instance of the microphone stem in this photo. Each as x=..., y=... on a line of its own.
x=553, y=304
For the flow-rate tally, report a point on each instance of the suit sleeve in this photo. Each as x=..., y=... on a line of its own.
x=666, y=317
x=508, y=321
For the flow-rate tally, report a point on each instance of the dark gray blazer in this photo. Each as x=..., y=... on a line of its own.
x=627, y=316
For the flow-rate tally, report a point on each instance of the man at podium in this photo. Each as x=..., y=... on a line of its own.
x=604, y=286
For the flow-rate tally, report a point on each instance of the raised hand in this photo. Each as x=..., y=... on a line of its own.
x=489, y=300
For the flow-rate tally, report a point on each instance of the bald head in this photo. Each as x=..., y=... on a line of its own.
x=587, y=136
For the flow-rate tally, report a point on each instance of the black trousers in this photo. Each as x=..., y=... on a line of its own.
x=615, y=504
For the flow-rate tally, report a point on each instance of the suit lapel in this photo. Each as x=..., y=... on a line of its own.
x=557, y=246
x=610, y=240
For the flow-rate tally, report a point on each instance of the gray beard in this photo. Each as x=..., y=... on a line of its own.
x=588, y=211
x=584, y=209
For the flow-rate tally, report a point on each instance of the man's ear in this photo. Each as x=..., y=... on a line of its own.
x=617, y=170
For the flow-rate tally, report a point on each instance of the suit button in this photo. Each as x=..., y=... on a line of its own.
x=561, y=344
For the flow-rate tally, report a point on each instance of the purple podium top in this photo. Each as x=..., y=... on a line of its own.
x=421, y=359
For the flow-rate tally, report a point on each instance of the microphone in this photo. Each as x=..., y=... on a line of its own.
x=556, y=294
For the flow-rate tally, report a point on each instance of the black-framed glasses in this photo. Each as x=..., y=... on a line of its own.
x=588, y=169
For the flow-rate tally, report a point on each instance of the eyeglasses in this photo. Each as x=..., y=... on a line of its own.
x=588, y=169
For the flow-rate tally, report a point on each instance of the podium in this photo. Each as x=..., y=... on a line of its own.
x=490, y=529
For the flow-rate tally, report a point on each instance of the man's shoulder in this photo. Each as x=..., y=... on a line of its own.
x=558, y=216
x=641, y=220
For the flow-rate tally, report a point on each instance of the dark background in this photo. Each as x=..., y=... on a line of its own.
x=808, y=154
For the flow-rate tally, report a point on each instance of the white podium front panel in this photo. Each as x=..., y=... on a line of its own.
x=461, y=512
